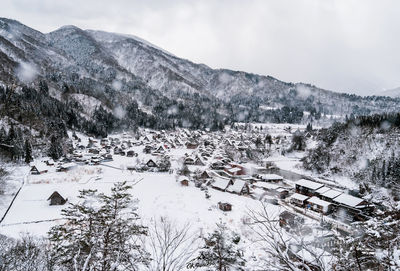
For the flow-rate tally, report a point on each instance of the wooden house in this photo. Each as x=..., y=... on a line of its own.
x=225, y=206
x=298, y=199
x=57, y=199
x=307, y=187
x=319, y=205
x=221, y=183
x=239, y=187
x=270, y=178
x=151, y=164
x=130, y=153
x=38, y=169
x=184, y=181
x=188, y=161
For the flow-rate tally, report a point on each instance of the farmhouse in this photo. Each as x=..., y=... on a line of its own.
x=65, y=167
x=330, y=194
x=319, y=205
x=239, y=187
x=270, y=178
x=221, y=183
x=57, y=199
x=184, y=181
x=298, y=199
x=151, y=163
x=224, y=206
x=307, y=187
x=37, y=169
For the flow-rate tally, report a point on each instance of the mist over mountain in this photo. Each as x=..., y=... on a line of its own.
x=122, y=81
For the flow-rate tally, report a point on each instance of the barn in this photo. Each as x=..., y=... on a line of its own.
x=57, y=199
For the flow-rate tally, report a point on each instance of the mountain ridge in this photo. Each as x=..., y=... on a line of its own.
x=121, y=71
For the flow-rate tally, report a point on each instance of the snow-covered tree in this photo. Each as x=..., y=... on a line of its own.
x=220, y=252
x=101, y=233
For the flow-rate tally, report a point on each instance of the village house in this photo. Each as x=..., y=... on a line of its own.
x=298, y=199
x=221, y=183
x=57, y=199
x=270, y=178
x=239, y=187
x=188, y=161
x=37, y=169
x=307, y=187
x=151, y=164
x=319, y=205
x=183, y=180
x=225, y=206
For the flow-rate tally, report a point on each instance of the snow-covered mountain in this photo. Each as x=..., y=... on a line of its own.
x=116, y=70
x=394, y=93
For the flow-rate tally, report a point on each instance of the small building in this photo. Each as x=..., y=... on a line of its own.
x=199, y=162
x=281, y=192
x=184, y=181
x=57, y=199
x=151, y=163
x=38, y=169
x=221, y=183
x=330, y=195
x=298, y=199
x=225, y=206
x=239, y=187
x=270, y=178
x=49, y=162
x=65, y=167
x=130, y=153
x=319, y=205
x=188, y=161
x=307, y=187
x=205, y=175
x=192, y=145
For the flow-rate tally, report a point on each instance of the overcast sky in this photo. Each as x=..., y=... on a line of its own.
x=348, y=46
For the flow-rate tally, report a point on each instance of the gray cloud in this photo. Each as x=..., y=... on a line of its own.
x=348, y=45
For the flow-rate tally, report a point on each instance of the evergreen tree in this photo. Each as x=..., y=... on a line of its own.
x=99, y=233
x=28, y=152
x=55, y=150
x=220, y=252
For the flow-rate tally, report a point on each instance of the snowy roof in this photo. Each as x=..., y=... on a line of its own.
x=309, y=184
x=233, y=170
x=40, y=167
x=332, y=193
x=182, y=178
x=322, y=190
x=271, y=177
x=237, y=186
x=298, y=196
x=348, y=200
x=319, y=202
x=67, y=165
x=221, y=183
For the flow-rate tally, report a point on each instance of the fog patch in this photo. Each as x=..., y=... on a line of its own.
x=385, y=125
x=116, y=85
x=26, y=72
x=224, y=78
x=303, y=92
x=172, y=110
x=119, y=112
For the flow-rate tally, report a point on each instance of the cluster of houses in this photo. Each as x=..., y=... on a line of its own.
x=326, y=200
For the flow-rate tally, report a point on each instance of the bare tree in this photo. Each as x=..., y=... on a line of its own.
x=171, y=246
x=26, y=253
x=282, y=246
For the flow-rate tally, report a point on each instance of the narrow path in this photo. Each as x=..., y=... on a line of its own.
x=15, y=196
